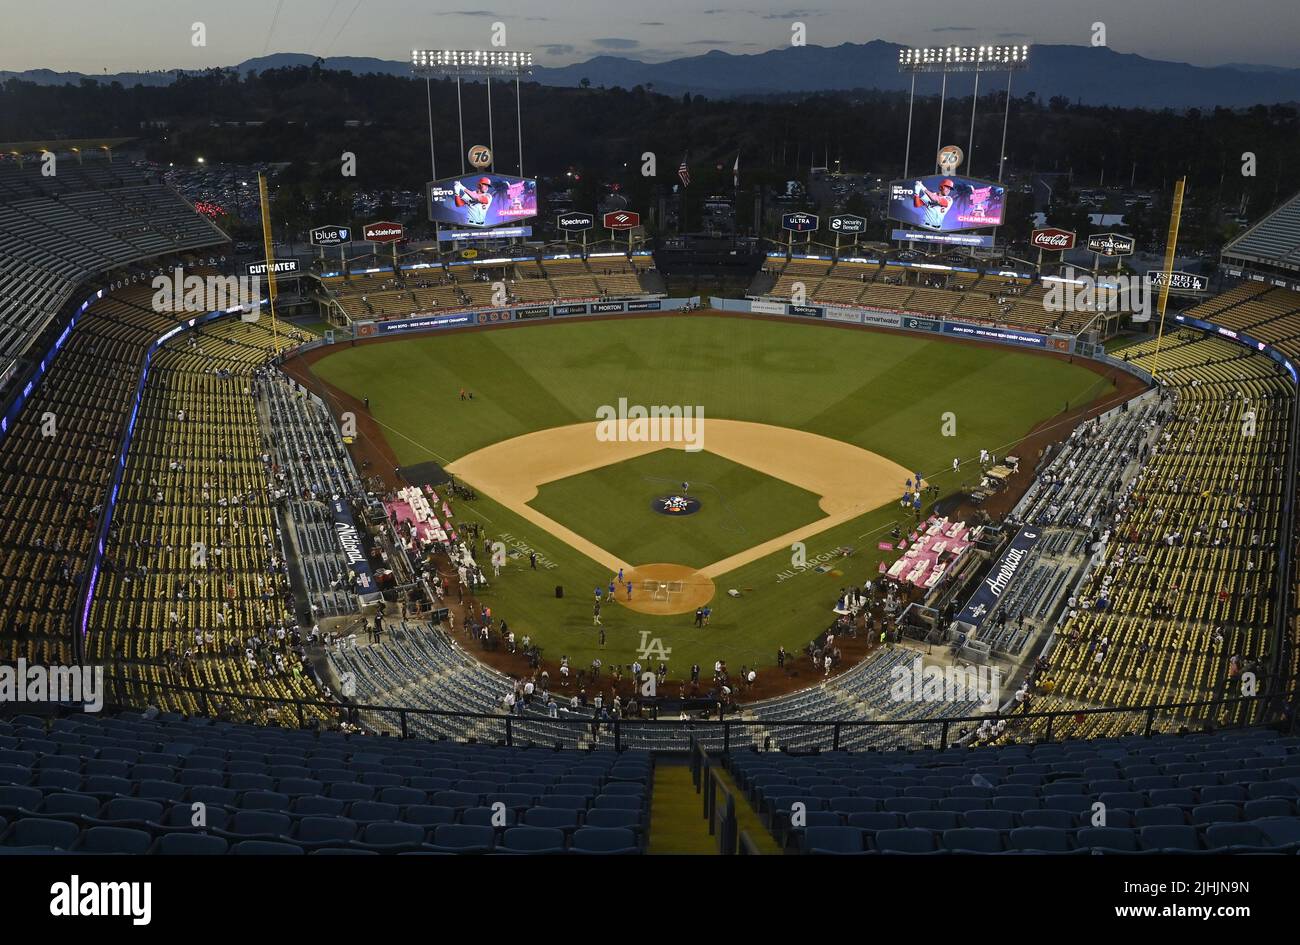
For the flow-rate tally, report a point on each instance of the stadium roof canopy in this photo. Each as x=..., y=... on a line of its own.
x=1271, y=246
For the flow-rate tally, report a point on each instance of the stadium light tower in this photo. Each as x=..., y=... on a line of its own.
x=448, y=63
x=976, y=59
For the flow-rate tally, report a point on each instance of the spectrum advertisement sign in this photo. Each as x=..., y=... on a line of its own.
x=947, y=204
x=482, y=200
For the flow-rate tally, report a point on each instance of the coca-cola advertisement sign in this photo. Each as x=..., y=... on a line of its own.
x=1053, y=238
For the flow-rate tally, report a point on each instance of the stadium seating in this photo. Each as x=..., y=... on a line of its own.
x=1062, y=806
x=58, y=231
x=494, y=809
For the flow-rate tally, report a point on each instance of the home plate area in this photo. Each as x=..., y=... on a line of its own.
x=662, y=589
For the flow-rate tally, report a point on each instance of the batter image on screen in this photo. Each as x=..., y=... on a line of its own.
x=475, y=203
x=482, y=200
x=936, y=205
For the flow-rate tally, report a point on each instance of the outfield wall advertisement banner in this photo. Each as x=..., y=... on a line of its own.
x=843, y=314
x=946, y=204
x=568, y=309
x=986, y=333
x=920, y=324
x=603, y=308
x=768, y=308
x=645, y=305
x=482, y=200
x=883, y=319
x=533, y=311
x=425, y=323
x=807, y=311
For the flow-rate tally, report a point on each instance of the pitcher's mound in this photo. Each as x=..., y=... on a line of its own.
x=667, y=589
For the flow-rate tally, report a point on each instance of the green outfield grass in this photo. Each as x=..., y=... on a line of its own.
x=887, y=393
x=739, y=507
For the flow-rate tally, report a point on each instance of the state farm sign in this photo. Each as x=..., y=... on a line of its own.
x=383, y=232
x=1050, y=237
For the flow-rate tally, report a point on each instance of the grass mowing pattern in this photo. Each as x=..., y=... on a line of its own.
x=886, y=393
x=739, y=507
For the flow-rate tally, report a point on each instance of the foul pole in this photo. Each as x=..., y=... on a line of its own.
x=270, y=259
x=1171, y=245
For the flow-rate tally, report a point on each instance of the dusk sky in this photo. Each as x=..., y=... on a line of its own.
x=92, y=36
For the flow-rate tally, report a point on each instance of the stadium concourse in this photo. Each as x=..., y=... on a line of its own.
x=181, y=526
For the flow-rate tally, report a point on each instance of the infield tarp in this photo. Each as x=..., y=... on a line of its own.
x=1008, y=569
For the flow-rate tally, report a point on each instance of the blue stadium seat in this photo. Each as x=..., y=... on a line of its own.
x=972, y=840
x=390, y=837
x=604, y=840
x=833, y=840
x=190, y=844
x=630, y=819
x=464, y=838
x=265, y=848
x=114, y=840
x=1160, y=837
x=1166, y=816
x=1002, y=820
x=532, y=840
x=427, y=815
x=1040, y=839
x=40, y=833
x=937, y=820
x=552, y=817
x=905, y=840
x=1115, y=839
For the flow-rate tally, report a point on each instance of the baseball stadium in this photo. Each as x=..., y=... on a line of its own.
x=513, y=524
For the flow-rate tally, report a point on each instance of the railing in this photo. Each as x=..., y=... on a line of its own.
x=700, y=735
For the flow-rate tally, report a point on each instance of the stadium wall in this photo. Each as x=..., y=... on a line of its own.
x=903, y=321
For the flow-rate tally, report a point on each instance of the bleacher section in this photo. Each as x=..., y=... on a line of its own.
x=313, y=468
x=57, y=232
x=393, y=294
x=194, y=565
x=1183, y=600
x=983, y=297
x=1273, y=242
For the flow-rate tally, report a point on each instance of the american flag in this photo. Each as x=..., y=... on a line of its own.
x=684, y=173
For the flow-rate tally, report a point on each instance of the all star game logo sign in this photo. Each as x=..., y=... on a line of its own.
x=676, y=505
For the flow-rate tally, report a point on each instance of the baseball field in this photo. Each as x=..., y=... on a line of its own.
x=808, y=436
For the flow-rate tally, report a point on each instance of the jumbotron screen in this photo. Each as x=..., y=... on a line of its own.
x=947, y=203
x=482, y=199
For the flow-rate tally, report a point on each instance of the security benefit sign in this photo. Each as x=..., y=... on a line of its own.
x=1009, y=568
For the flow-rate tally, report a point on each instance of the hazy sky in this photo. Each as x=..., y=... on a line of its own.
x=121, y=35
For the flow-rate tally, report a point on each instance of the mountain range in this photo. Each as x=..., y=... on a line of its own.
x=1084, y=74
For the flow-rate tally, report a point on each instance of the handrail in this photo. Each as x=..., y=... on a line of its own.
x=1250, y=710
